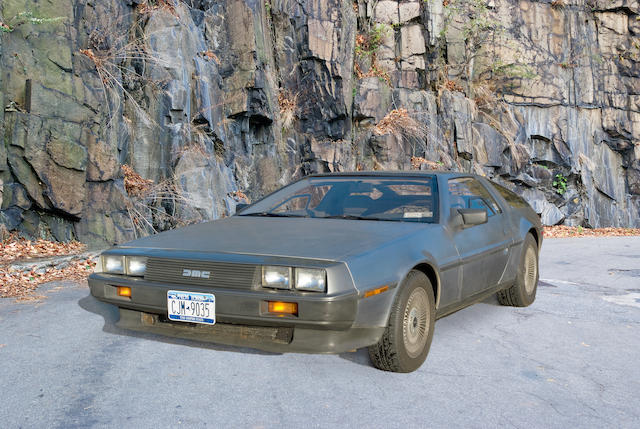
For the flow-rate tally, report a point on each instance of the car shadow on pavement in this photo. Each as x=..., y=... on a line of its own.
x=111, y=315
x=360, y=356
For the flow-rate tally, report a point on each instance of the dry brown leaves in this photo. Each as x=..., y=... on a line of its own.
x=374, y=71
x=149, y=6
x=418, y=161
x=561, y=231
x=16, y=283
x=452, y=85
x=390, y=123
x=134, y=184
x=211, y=56
x=14, y=248
x=97, y=61
x=399, y=123
x=240, y=196
x=21, y=284
x=286, y=101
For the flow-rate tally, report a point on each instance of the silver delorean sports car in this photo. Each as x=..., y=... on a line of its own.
x=332, y=263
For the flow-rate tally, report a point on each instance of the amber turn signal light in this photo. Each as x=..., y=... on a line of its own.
x=377, y=291
x=124, y=291
x=278, y=307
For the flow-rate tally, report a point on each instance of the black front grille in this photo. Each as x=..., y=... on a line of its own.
x=220, y=274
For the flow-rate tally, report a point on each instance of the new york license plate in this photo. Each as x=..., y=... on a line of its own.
x=194, y=307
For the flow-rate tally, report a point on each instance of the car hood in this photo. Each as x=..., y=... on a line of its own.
x=315, y=238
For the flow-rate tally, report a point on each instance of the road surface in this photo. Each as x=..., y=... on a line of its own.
x=569, y=360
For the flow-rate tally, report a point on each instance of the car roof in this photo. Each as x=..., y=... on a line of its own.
x=409, y=173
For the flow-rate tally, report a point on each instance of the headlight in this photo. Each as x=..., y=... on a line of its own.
x=276, y=277
x=311, y=279
x=136, y=265
x=113, y=264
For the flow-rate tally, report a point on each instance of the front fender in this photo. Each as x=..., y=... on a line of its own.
x=388, y=266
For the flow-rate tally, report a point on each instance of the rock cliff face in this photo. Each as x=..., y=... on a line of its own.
x=214, y=100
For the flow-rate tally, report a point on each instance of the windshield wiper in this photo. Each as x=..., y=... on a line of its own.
x=351, y=217
x=268, y=214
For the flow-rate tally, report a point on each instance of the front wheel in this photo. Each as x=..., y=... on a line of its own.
x=523, y=292
x=406, y=340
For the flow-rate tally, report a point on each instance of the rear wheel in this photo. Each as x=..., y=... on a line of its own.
x=406, y=340
x=523, y=292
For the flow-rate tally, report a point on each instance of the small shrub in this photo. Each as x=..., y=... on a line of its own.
x=287, y=102
x=560, y=183
x=484, y=95
x=118, y=58
x=367, y=45
x=155, y=207
x=567, y=64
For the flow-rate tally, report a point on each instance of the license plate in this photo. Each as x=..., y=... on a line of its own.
x=194, y=307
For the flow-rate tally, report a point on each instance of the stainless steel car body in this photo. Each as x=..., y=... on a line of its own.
x=464, y=264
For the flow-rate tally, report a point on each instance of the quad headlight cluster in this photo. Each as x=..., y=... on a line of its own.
x=118, y=264
x=305, y=279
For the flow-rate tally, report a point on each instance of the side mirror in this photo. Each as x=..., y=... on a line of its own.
x=472, y=217
x=240, y=207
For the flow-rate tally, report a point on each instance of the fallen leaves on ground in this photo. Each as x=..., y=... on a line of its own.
x=16, y=283
x=561, y=231
x=14, y=248
x=21, y=283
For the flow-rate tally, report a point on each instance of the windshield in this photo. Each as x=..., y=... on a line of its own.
x=408, y=199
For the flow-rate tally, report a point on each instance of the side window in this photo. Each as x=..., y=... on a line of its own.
x=510, y=197
x=468, y=193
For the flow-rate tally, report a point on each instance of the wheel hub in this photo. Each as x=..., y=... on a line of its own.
x=416, y=322
x=530, y=270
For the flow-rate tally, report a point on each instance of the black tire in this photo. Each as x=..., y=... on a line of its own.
x=523, y=292
x=406, y=340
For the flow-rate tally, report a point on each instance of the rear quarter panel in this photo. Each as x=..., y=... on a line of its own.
x=521, y=220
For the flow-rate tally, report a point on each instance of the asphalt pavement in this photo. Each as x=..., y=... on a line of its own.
x=569, y=360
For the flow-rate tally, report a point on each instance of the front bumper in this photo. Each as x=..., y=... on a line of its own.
x=324, y=324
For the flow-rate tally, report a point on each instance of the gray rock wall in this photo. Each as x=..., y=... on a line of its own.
x=215, y=100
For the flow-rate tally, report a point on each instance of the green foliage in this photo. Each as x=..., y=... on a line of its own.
x=24, y=18
x=560, y=183
x=567, y=64
x=512, y=70
x=369, y=43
